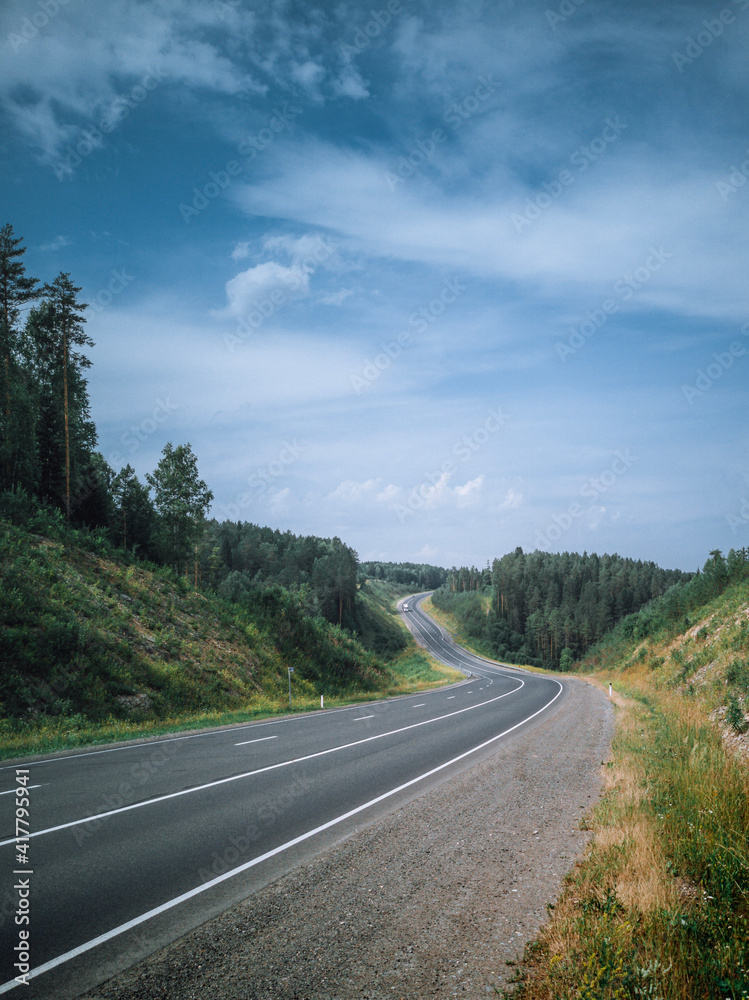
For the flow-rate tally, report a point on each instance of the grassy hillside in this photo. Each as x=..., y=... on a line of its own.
x=659, y=907
x=381, y=628
x=97, y=647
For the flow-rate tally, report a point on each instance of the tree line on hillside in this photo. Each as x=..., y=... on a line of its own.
x=48, y=459
x=670, y=612
x=414, y=576
x=547, y=608
x=236, y=557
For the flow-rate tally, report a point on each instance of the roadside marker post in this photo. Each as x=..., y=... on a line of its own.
x=291, y=671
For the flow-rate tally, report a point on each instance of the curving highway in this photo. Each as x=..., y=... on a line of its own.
x=131, y=846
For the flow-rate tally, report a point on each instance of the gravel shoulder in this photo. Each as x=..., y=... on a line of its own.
x=430, y=901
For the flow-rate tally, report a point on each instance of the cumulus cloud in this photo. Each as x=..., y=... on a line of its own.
x=468, y=494
x=350, y=84
x=351, y=492
x=263, y=287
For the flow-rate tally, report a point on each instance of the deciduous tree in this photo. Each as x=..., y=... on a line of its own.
x=181, y=500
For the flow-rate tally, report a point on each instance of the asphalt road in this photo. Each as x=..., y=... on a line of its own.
x=132, y=846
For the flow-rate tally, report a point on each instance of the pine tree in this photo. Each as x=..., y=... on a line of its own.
x=65, y=434
x=134, y=515
x=67, y=324
x=16, y=289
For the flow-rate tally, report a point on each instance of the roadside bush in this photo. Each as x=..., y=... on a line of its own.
x=735, y=714
x=737, y=675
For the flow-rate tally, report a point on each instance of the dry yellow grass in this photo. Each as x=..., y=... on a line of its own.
x=632, y=921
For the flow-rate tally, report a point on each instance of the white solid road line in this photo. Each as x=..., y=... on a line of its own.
x=259, y=770
x=361, y=718
x=116, y=931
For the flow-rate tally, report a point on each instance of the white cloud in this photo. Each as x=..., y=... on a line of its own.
x=241, y=251
x=579, y=247
x=279, y=501
x=354, y=493
x=512, y=500
x=307, y=252
x=428, y=552
x=389, y=494
x=595, y=517
x=336, y=298
x=469, y=494
x=57, y=244
x=350, y=84
x=309, y=74
x=66, y=76
x=264, y=288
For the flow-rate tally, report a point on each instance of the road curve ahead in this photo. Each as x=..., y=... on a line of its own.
x=131, y=846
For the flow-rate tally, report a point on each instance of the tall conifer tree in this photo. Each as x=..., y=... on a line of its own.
x=68, y=321
x=16, y=289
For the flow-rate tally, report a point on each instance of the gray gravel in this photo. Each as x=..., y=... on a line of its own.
x=430, y=901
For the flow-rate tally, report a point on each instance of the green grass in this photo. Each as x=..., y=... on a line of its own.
x=419, y=669
x=98, y=649
x=659, y=905
x=410, y=672
x=458, y=632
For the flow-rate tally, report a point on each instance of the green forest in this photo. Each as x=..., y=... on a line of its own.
x=550, y=609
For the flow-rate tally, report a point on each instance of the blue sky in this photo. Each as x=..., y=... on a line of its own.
x=441, y=279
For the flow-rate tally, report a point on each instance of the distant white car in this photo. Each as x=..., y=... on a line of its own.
x=405, y=607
